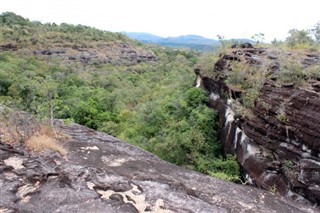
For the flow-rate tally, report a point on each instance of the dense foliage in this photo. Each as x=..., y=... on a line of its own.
x=150, y=104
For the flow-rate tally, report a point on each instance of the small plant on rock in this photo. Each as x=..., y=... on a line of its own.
x=282, y=117
x=273, y=189
x=266, y=106
x=288, y=164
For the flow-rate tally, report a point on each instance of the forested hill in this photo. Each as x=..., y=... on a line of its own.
x=108, y=82
x=70, y=43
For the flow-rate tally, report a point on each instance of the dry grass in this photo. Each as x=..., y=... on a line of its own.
x=45, y=129
x=7, y=136
x=19, y=127
x=46, y=138
x=39, y=142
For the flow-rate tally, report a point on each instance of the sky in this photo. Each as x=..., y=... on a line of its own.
x=208, y=18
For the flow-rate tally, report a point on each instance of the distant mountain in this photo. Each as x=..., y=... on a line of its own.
x=192, y=39
x=143, y=37
x=194, y=42
x=188, y=41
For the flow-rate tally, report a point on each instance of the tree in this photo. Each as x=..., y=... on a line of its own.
x=12, y=19
x=299, y=37
x=258, y=37
x=316, y=32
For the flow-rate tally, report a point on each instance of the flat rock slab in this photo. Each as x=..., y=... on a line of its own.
x=103, y=174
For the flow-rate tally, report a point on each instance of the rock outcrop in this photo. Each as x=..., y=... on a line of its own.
x=103, y=174
x=277, y=142
x=9, y=46
x=119, y=53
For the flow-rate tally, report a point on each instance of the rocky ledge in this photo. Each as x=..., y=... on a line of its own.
x=103, y=174
x=116, y=53
x=277, y=141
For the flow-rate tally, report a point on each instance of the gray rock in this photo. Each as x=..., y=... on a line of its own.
x=101, y=173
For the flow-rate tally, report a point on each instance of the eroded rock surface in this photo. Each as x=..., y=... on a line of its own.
x=103, y=174
x=278, y=142
x=114, y=53
x=117, y=53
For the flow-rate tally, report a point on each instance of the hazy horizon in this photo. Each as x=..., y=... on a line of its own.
x=232, y=19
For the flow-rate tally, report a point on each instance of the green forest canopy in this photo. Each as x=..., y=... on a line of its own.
x=151, y=104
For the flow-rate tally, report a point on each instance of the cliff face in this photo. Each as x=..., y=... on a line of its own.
x=103, y=174
x=277, y=142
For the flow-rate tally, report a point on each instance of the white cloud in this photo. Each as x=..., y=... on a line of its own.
x=233, y=18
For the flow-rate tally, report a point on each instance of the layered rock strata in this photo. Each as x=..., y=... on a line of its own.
x=277, y=141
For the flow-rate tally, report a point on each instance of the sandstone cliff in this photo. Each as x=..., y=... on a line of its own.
x=277, y=139
x=103, y=174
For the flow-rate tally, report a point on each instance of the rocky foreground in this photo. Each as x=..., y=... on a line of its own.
x=103, y=174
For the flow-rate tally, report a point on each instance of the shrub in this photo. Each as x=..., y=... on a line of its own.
x=299, y=38
x=249, y=98
x=223, y=168
x=238, y=75
x=206, y=62
x=312, y=72
x=291, y=72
